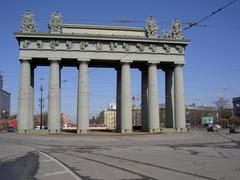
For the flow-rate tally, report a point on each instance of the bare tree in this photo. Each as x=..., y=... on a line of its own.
x=222, y=103
x=224, y=110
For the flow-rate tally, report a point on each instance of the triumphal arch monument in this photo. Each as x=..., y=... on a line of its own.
x=83, y=46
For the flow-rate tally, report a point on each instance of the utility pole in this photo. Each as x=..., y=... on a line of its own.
x=41, y=101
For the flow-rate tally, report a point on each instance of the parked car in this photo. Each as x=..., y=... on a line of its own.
x=234, y=129
x=11, y=129
x=212, y=128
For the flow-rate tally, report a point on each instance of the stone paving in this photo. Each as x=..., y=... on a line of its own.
x=192, y=155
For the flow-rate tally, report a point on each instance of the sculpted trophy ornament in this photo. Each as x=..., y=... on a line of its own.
x=69, y=45
x=151, y=27
x=179, y=49
x=26, y=43
x=55, y=23
x=176, y=31
x=28, y=24
x=54, y=44
x=152, y=47
x=140, y=47
x=113, y=45
x=166, y=48
x=126, y=46
x=39, y=44
x=99, y=46
x=83, y=45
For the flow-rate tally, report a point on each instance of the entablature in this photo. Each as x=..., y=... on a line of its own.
x=63, y=42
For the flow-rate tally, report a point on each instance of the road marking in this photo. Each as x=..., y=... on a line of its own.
x=54, y=173
x=61, y=164
x=46, y=160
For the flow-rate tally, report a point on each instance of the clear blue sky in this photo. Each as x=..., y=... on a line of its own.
x=212, y=59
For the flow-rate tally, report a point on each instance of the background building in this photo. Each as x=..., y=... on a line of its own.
x=108, y=118
x=4, y=100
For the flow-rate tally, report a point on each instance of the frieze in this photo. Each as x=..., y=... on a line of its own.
x=54, y=43
x=106, y=46
x=26, y=43
x=40, y=44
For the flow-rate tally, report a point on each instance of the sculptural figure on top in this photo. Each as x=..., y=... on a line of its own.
x=55, y=23
x=151, y=27
x=28, y=22
x=177, y=29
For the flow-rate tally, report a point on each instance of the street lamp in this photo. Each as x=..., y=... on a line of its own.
x=41, y=101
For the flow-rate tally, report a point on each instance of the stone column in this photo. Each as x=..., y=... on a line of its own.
x=179, y=97
x=118, y=100
x=82, y=102
x=24, y=96
x=169, y=98
x=54, y=106
x=31, y=104
x=144, y=101
x=126, y=99
x=153, y=104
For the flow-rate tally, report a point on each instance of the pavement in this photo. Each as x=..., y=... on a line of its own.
x=196, y=154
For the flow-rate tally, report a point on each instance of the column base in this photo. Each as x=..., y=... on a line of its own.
x=83, y=131
x=22, y=131
x=125, y=131
x=173, y=130
x=144, y=129
x=154, y=130
x=181, y=129
x=53, y=131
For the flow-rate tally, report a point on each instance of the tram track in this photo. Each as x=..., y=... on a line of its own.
x=71, y=152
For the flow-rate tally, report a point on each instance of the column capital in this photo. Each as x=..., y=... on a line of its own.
x=87, y=60
x=126, y=61
x=179, y=64
x=153, y=62
x=22, y=58
x=54, y=59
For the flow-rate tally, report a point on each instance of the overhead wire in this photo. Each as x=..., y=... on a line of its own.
x=190, y=25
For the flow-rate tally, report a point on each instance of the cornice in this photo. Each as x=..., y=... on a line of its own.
x=20, y=36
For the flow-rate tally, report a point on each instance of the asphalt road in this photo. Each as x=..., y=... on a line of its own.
x=194, y=155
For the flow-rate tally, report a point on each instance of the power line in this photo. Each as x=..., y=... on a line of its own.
x=190, y=24
x=220, y=27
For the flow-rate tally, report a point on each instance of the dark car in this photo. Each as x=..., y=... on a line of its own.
x=234, y=129
x=212, y=128
x=10, y=129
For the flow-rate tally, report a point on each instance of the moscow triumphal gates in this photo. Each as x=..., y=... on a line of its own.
x=122, y=48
